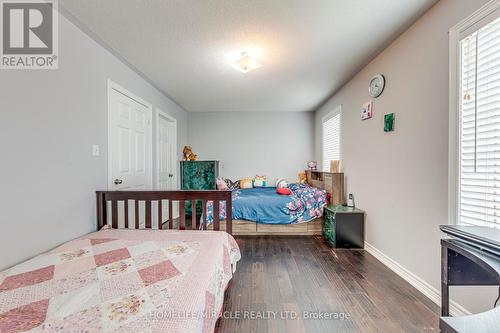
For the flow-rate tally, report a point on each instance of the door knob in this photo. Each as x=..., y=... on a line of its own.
x=170, y=175
x=118, y=181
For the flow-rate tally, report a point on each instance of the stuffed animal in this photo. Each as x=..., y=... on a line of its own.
x=246, y=183
x=281, y=183
x=259, y=181
x=188, y=154
x=302, y=177
x=221, y=184
x=312, y=165
x=233, y=185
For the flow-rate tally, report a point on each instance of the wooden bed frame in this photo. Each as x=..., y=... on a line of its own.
x=108, y=209
x=249, y=228
x=109, y=202
x=332, y=183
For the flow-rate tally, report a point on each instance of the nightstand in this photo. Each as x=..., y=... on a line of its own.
x=344, y=227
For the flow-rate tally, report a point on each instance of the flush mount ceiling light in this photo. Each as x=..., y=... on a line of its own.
x=245, y=63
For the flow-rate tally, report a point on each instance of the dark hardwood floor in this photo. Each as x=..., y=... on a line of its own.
x=278, y=274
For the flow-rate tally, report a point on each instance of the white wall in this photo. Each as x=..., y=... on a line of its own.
x=276, y=144
x=400, y=178
x=48, y=123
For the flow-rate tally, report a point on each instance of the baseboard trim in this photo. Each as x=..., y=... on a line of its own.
x=429, y=291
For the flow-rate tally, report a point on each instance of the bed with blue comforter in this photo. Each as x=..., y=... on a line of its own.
x=264, y=205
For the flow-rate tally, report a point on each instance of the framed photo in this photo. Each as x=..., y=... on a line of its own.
x=389, y=122
x=367, y=110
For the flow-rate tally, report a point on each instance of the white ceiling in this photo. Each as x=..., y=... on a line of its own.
x=308, y=48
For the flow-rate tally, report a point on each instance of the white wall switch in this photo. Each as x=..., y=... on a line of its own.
x=95, y=150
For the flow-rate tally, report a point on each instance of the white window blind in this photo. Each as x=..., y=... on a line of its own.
x=480, y=127
x=331, y=139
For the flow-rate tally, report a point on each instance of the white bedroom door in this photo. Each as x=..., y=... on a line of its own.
x=167, y=152
x=130, y=154
x=166, y=143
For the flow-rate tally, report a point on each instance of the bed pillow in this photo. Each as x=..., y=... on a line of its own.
x=221, y=184
x=283, y=191
x=246, y=183
x=233, y=185
x=259, y=181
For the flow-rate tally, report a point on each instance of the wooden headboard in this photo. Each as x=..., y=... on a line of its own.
x=332, y=183
x=111, y=203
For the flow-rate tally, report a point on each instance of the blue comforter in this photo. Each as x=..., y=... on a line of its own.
x=264, y=205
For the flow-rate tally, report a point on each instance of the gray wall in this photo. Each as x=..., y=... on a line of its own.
x=276, y=144
x=400, y=178
x=48, y=123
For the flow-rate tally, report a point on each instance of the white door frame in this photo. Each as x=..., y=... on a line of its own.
x=160, y=113
x=116, y=87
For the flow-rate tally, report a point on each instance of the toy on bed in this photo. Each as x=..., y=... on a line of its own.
x=221, y=184
x=233, y=185
x=226, y=184
x=302, y=177
x=281, y=183
x=282, y=187
x=259, y=181
x=246, y=183
x=188, y=154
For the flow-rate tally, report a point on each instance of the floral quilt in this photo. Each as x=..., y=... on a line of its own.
x=121, y=281
x=264, y=205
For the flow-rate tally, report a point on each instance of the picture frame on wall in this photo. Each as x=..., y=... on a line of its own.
x=389, y=122
x=367, y=110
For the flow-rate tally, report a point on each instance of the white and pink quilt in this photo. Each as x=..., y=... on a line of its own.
x=121, y=281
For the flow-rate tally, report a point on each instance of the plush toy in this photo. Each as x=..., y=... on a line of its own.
x=188, y=154
x=281, y=183
x=312, y=165
x=259, y=181
x=302, y=177
x=283, y=191
x=221, y=183
x=233, y=185
x=246, y=183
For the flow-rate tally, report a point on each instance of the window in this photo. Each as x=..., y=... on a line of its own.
x=478, y=100
x=331, y=138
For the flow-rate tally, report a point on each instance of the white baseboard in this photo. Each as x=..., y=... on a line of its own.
x=429, y=291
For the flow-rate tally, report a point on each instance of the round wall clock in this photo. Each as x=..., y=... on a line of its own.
x=376, y=86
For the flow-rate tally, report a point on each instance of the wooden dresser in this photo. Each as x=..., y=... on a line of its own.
x=332, y=183
x=198, y=175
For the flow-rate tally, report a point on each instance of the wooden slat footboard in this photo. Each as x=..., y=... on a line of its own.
x=111, y=205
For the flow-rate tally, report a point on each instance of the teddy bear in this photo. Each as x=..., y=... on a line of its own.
x=188, y=154
x=302, y=177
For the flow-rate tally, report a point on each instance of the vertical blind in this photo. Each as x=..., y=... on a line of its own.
x=331, y=140
x=480, y=127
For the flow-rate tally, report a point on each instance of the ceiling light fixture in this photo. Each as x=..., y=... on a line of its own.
x=245, y=63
